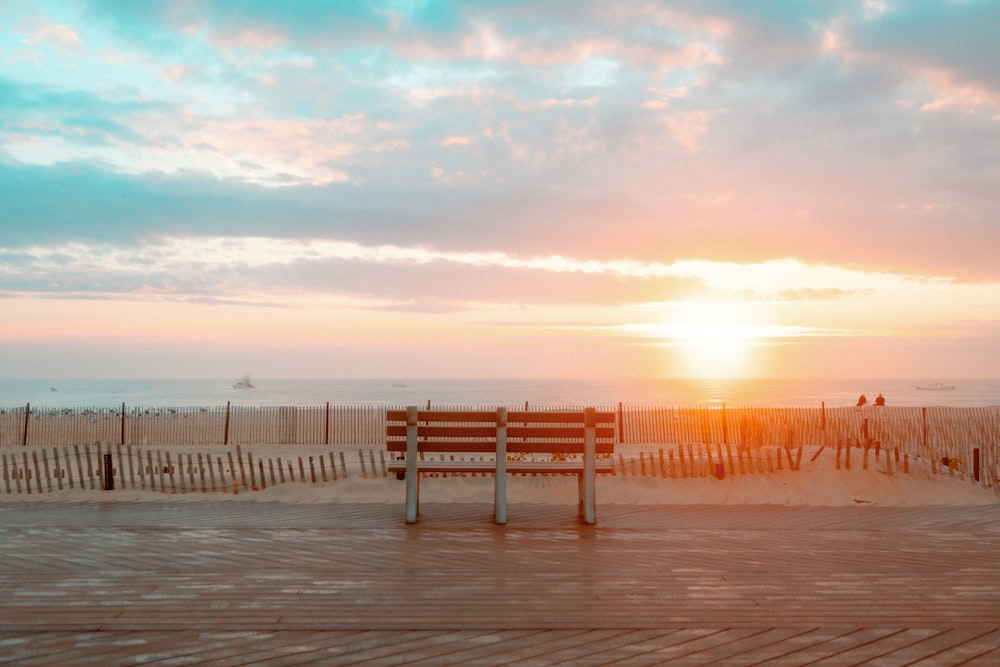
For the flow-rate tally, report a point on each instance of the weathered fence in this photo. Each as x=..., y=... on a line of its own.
x=44, y=470
x=311, y=425
x=968, y=437
x=39, y=470
x=962, y=439
x=925, y=430
x=708, y=460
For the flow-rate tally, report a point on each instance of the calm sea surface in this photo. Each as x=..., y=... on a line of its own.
x=485, y=392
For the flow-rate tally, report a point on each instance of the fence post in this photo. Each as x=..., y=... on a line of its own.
x=621, y=424
x=225, y=437
x=924, y=414
x=326, y=425
x=24, y=436
x=109, y=473
x=725, y=428
x=122, y=441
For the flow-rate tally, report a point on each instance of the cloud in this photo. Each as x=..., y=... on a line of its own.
x=394, y=277
x=39, y=30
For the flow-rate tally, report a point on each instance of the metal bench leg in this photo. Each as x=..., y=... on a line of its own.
x=412, y=497
x=500, y=499
x=412, y=476
x=589, y=509
x=500, y=476
x=589, y=465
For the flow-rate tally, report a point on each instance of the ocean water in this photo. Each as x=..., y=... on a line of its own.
x=76, y=393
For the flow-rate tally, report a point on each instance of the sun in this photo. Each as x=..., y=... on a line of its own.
x=710, y=339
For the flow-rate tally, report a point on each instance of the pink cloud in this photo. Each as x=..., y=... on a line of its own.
x=951, y=93
x=270, y=150
x=487, y=42
x=688, y=128
x=260, y=38
x=176, y=72
x=42, y=31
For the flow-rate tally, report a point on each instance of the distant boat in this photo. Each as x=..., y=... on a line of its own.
x=936, y=386
x=244, y=383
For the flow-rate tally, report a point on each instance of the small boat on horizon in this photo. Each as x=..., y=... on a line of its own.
x=936, y=386
x=244, y=383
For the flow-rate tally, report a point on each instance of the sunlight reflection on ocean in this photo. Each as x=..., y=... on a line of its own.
x=489, y=392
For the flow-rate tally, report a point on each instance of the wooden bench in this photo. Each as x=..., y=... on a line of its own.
x=500, y=442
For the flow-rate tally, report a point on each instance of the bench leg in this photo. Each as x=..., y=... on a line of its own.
x=500, y=496
x=412, y=476
x=586, y=506
x=412, y=496
x=587, y=482
x=500, y=472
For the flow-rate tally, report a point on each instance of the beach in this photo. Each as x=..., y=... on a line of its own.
x=820, y=480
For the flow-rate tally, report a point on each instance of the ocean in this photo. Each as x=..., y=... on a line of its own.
x=107, y=393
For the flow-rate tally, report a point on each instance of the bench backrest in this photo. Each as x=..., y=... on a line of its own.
x=528, y=432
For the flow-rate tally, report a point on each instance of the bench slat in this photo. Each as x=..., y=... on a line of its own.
x=549, y=467
x=474, y=417
x=540, y=433
x=530, y=447
x=453, y=431
x=557, y=417
x=556, y=432
x=482, y=417
x=446, y=446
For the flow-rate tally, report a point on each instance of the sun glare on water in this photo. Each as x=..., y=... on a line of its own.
x=712, y=339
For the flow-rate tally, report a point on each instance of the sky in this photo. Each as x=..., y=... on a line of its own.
x=400, y=188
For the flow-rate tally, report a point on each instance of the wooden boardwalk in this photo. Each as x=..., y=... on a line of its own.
x=244, y=582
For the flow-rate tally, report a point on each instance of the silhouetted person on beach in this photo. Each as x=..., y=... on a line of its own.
x=880, y=400
x=862, y=400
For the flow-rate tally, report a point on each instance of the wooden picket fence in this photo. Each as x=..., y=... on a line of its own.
x=701, y=460
x=964, y=439
x=231, y=425
x=45, y=470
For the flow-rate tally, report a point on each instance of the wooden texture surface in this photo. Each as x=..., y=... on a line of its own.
x=244, y=582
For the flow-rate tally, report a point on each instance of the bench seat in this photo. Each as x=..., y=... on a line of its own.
x=479, y=441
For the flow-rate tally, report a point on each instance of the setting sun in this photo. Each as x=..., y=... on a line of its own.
x=714, y=338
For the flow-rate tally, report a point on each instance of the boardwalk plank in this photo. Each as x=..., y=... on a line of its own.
x=635, y=648
x=509, y=643
x=932, y=648
x=985, y=656
x=876, y=644
x=769, y=641
x=335, y=584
